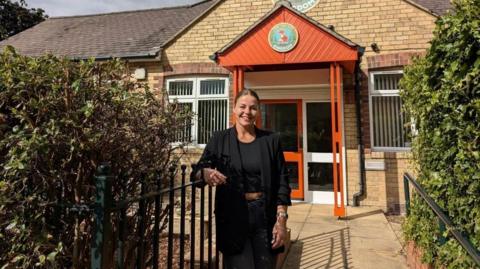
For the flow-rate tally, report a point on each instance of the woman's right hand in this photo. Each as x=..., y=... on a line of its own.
x=213, y=177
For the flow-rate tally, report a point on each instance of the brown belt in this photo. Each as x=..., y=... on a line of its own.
x=251, y=196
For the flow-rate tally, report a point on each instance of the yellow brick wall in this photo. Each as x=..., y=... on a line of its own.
x=394, y=25
x=384, y=189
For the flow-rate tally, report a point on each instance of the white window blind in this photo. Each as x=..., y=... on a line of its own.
x=212, y=87
x=387, y=120
x=184, y=134
x=208, y=100
x=181, y=88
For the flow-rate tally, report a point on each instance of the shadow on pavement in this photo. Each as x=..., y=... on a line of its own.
x=327, y=250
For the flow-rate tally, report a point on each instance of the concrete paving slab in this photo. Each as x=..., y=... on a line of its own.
x=322, y=210
x=321, y=228
x=324, y=220
x=301, y=207
x=297, y=216
x=362, y=240
x=374, y=232
x=295, y=228
x=373, y=244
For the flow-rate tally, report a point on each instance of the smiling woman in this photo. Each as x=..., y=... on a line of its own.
x=57, y=8
x=247, y=166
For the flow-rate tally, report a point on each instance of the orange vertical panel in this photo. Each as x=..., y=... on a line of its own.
x=241, y=79
x=235, y=91
x=340, y=211
x=235, y=81
x=300, y=192
x=334, y=135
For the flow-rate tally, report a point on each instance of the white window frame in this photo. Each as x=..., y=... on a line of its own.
x=195, y=97
x=372, y=92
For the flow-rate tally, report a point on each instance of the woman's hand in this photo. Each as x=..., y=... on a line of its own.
x=213, y=177
x=279, y=233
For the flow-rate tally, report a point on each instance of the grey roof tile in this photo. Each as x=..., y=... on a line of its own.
x=122, y=34
x=438, y=7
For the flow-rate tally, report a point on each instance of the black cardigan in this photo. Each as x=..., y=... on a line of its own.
x=231, y=211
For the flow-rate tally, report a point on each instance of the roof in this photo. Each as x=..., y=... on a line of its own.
x=130, y=34
x=437, y=7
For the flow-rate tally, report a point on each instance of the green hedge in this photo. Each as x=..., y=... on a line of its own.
x=442, y=94
x=59, y=120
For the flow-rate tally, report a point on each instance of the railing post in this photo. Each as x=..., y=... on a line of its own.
x=202, y=226
x=182, y=219
x=141, y=225
x=122, y=225
x=406, y=188
x=210, y=211
x=192, y=219
x=156, y=227
x=171, y=208
x=102, y=218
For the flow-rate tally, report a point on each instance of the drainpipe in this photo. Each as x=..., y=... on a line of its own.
x=361, y=148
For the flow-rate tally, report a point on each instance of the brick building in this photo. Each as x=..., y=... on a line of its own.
x=299, y=56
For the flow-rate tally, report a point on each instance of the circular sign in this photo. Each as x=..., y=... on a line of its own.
x=302, y=5
x=283, y=37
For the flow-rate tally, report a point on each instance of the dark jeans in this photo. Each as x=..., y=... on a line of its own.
x=256, y=253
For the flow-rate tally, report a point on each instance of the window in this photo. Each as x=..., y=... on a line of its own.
x=388, y=129
x=207, y=98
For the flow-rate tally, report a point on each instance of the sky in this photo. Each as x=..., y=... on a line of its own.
x=56, y=8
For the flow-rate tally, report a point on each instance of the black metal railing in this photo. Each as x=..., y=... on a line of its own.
x=444, y=220
x=153, y=236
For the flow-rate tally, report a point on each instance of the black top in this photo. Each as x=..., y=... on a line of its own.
x=251, y=163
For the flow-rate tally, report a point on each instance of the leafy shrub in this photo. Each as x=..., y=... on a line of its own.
x=442, y=94
x=59, y=120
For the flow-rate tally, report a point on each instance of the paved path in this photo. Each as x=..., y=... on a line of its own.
x=364, y=240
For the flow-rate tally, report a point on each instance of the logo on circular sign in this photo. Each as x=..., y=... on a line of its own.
x=302, y=5
x=283, y=37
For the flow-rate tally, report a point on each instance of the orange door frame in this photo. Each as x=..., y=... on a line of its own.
x=336, y=101
x=291, y=156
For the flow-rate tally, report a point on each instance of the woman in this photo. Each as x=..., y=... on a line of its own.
x=247, y=166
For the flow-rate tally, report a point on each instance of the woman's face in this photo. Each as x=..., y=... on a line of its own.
x=246, y=110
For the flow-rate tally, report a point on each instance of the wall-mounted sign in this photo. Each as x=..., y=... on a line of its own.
x=283, y=37
x=302, y=5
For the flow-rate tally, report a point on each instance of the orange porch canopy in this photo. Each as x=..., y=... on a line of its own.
x=316, y=43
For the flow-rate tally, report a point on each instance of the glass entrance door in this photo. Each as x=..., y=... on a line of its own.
x=318, y=152
x=285, y=118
